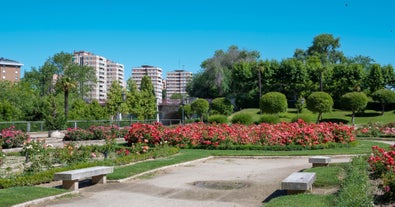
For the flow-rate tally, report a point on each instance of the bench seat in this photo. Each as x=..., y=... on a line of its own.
x=298, y=182
x=319, y=161
x=70, y=178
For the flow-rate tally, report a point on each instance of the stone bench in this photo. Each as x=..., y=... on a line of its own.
x=70, y=178
x=319, y=161
x=298, y=182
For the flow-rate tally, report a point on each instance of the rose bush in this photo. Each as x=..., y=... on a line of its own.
x=10, y=137
x=200, y=135
x=382, y=163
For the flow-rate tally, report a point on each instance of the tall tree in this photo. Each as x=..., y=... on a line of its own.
x=345, y=79
x=66, y=84
x=216, y=76
x=115, y=103
x=133, y=99
x=148, y=100
x=292, y=76
x=325, y=47
x=375, y=78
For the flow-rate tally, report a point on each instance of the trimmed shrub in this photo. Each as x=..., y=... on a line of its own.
x=219, y=119
x=319, y=102
x=270, y=119
x=242, y=118
x=273, y=103
x=222, y=106
x=200, y=107
x=384, y=97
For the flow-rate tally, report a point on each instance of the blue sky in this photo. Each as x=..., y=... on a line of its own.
x=177, y=34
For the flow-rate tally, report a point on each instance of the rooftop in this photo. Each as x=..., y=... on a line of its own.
x=4, y=61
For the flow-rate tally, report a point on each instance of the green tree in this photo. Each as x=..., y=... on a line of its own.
x=200, y=107
x=346, y=78
x=375, y=78
x=115, y=103
x=325, y=47
x=388, y=75
x=133, y=100
x=53, y=118
x=222, y=106
x=384, y=97
x=273, y=103
x=215, y=80
x=319, y=102
x=66, y=84
x=292, y=77
x=148, y=99
x=354, y=101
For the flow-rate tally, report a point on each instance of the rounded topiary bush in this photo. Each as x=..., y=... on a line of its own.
x=306, y=118
x=222, y=105
x=319, y=102
x=273, y=103
x=219, y=119
x=242, y=118
x=270, y=119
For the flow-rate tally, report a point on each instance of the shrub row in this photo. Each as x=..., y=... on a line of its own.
x=48, y=175
x=355, y=189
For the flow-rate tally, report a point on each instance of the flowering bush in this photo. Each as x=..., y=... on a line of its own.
x=76, y=134
x=377, y=130
x=200, y=135
x=382, y=163
x=10, y=137
x=145, y=133
x=93, y=133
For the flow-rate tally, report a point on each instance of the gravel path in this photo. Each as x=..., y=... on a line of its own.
x=216, y=182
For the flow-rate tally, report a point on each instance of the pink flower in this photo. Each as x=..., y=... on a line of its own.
x=387, y=188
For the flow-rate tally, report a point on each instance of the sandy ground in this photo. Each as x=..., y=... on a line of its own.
x=216, y=182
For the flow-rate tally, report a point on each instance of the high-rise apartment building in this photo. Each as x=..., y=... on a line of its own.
x=106, y=70
x=10, y=70
x=176, y=82
x=154, y=73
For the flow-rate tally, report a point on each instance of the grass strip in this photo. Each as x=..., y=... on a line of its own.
x=302, y=200
x=15, y=195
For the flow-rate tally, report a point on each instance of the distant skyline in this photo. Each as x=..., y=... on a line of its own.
x=177, y=34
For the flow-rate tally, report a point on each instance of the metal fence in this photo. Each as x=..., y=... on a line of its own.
x=35, y=126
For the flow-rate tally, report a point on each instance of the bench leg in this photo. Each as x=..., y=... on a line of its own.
x=70, y=184
x=320, y=164
x=102, y=179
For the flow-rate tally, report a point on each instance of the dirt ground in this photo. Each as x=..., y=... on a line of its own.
x=219, y=182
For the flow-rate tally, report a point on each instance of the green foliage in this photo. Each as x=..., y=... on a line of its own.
x=200, y=107
x=300, y=104
x=215, y=80
x=375, y=78
x=222, y=106
x=115, y=100
x=273, y=102
x=219, y=119
x=133, y=100
x=270, y=119
x=242, y=118
x=319, y=102
x=355, y=190
x=176, y=96
x=53, y=118
x=354, y=101
x=147, y=98
x=305, y=117
x=345, y=79
x=383, y=96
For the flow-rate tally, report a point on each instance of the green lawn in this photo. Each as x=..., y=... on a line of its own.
x=335, y=116
x=12, y=196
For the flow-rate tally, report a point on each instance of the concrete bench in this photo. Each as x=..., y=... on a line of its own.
x=319, y=161
x=298, y=182
x=70, y=178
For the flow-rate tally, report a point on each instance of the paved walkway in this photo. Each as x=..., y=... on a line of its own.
x=218, y=182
